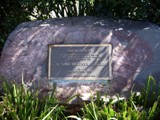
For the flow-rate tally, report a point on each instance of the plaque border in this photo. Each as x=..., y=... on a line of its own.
x=80, y=78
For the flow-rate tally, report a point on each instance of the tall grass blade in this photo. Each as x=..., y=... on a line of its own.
x=147, y=90
x=74, y=117
x=134, y=106
x=153, y=110
x=94, y=111
x=50, y=112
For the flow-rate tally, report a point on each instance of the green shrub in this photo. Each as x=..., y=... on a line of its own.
x=145, y=106
x=18, y=103
x=14, y=12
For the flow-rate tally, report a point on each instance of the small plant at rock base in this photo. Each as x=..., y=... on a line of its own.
x=18, y=103
x=137, y=107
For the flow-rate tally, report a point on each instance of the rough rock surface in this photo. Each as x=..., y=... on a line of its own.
x=135, y=55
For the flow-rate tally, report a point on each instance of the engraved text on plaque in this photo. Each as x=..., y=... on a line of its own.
x=80, y=62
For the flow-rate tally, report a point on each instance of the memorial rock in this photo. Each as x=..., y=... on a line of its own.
x=135, y=52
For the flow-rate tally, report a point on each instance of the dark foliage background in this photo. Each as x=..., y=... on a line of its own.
x=14, y=12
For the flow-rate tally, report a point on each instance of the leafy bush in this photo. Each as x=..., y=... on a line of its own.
x=14, y=12
x=145, y=106
x=19, y=103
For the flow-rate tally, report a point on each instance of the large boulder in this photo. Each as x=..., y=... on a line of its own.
x=135, y=51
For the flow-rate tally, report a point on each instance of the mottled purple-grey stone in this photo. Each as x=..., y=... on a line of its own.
x=135, y=55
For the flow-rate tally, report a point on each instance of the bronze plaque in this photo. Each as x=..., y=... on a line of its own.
x=80, y=62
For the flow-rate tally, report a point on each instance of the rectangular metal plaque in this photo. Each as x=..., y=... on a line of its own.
x=80, y=62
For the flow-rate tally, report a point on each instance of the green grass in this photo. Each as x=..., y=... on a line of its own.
x=145, y=106
x=19, y=103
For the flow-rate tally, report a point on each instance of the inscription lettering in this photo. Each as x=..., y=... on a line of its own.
x=90, y=62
